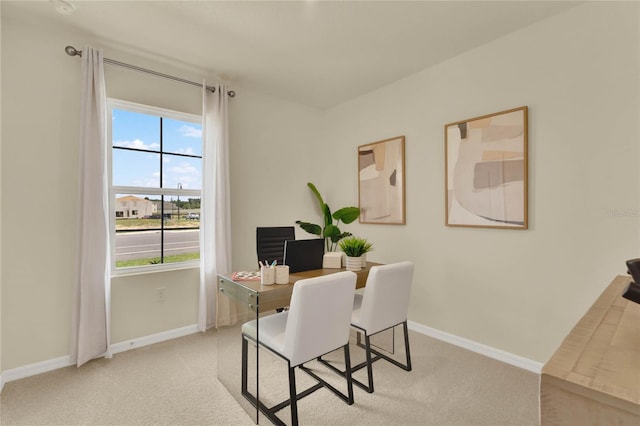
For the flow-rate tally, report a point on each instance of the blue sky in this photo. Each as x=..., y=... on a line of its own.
x=136, y=130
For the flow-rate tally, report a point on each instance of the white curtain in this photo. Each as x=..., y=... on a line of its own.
x=90, y=337
x=215, y=211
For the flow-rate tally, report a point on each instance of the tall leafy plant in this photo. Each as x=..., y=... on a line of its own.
x=330, y=230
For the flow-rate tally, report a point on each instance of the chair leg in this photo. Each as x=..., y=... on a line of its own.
x=367, y=344
x=371, y=359
x=292, y=402
x=293, y=397
x=369, y=350
x=407, y=366
x=406, y=345
x=347, y=363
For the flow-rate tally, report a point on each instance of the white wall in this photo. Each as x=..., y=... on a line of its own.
x=40, y=97
x=518, y=291
x=38, y=194
x=136, y=312
x=273, y=155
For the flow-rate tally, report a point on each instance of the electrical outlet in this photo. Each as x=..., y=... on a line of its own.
x=161, y=294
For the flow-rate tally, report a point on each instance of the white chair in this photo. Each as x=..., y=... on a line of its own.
x=383, y=305
x=317, y=322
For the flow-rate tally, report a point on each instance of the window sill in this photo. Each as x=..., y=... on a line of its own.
x=153, y=269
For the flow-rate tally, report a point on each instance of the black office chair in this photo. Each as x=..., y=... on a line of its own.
x=270, y=242
x=632, y=292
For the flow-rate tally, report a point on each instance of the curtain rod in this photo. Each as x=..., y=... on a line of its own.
x=72, y=51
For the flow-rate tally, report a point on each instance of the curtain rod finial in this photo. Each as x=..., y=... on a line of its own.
x=71, y=51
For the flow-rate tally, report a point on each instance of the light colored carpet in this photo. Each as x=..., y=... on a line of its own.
x=174, y=383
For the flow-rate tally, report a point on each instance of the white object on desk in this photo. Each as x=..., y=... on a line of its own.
x=282, y=274
x=267, y=275
x=332, y=260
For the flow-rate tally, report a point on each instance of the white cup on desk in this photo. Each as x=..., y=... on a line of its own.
x=282, y=274
x=267, y=275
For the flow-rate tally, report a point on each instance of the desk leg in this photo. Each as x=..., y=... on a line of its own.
x=236, y=357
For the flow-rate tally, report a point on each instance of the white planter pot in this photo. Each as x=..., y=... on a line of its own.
x=354, y=263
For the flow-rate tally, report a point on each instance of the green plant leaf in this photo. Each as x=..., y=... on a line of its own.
x=347, y=214
x=331, y=231
x=311, y=228
x=340, y=236
x=317, y=194
x=327, y=215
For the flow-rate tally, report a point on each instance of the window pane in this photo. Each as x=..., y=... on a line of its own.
x=135, y=130
x=138, y=230
x=182, y=230
x=181, y=137
x=133, y=168
x=182, y=172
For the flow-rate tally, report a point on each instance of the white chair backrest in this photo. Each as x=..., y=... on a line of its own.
x=386, y=296
x=319, y=316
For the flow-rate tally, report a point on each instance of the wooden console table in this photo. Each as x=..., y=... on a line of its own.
x=594, y=376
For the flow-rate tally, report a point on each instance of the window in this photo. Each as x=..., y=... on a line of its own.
x=156, y=175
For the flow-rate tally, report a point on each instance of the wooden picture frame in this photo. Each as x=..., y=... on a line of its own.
x=381, y=182
x=486, y=167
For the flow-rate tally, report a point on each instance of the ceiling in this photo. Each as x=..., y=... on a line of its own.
x=314, y=52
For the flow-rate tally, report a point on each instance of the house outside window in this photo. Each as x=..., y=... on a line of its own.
x=156, y=174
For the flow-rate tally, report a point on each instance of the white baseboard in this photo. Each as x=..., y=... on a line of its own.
x=154, y=338
x=36, y=368
x=65, y=361
x=497, y=354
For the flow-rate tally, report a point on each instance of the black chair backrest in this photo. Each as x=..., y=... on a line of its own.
x=270, y=242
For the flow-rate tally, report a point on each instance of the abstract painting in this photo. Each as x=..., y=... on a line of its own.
x=381, y=182
x=486, y=171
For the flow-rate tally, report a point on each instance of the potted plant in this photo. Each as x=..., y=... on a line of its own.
x=355, y=248
x=330, y=231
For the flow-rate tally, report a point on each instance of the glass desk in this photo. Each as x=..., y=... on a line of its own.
x=242, y=301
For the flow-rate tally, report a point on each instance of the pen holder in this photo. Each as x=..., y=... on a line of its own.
x=267, y=275
x=282, y=274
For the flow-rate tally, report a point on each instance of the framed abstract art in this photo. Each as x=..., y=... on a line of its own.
x=486, y=171
x=381, y=182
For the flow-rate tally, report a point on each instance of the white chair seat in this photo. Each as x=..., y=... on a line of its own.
x=272, y=330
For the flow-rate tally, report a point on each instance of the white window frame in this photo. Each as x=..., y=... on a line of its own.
x=134, y=190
